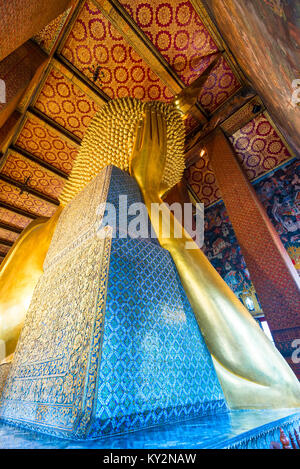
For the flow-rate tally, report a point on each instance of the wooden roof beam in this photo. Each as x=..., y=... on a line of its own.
x=5, y=242
x=13, y=229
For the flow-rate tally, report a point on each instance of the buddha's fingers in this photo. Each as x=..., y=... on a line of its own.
x=147, y=136
x=138, y=136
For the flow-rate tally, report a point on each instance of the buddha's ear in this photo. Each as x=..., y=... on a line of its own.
x=187, y=98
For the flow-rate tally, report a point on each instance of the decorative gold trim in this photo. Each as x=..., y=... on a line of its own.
x=16, y=131
x=10, y=136
x=69, y=26
x=3, y=159
x=192, y=195
x=40, y=85
x=203, y=14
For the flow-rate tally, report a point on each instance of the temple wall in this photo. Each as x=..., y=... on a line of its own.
x=279, y=192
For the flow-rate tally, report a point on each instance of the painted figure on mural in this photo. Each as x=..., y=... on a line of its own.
x=289, y=12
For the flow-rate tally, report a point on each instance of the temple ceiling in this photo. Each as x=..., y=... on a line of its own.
x=100, y=50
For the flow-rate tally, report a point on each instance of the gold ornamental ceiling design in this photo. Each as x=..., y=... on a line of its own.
x=175, y=29
x=66, y=103
x=8, y=235
x=93, y=41
x=3, y=249
x=47, y=37
x=259, y=148
x=20, y=169
x=34, y=205
x=13, y=220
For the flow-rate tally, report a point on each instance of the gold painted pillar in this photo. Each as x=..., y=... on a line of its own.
x=271, y=269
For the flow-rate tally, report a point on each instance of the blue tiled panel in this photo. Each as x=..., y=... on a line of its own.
x=155, y=366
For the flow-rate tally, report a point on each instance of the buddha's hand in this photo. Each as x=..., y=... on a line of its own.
x=148, y=158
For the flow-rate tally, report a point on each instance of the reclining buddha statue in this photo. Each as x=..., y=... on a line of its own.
x=135, y=147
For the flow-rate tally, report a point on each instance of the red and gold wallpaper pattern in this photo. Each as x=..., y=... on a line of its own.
x=47, y=37
x=48, y=144
x=93, y=42
x=176, y=30
x=202, y=181
x=8, y=235
x=13, y=219
x=65, y=103
x=190, y=124
x=259, y=149
x=29, y=202
x=19, y=168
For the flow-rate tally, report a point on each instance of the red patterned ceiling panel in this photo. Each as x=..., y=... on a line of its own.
x=66, y=103
x=190, y=124
x=259, y=147
x=13, y=219
x=202, y=181
x=19, y=168
x=25, y=201
x=93, y=42
x=47, y=144
x=8, y=235
x=176, y=30
x=221, y=84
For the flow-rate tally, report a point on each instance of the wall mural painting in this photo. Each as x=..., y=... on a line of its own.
x=264, y=37
x=223, y=251
x=280, y=195
x=279, y=192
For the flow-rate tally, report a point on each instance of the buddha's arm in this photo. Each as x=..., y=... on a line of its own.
x=242, y=352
